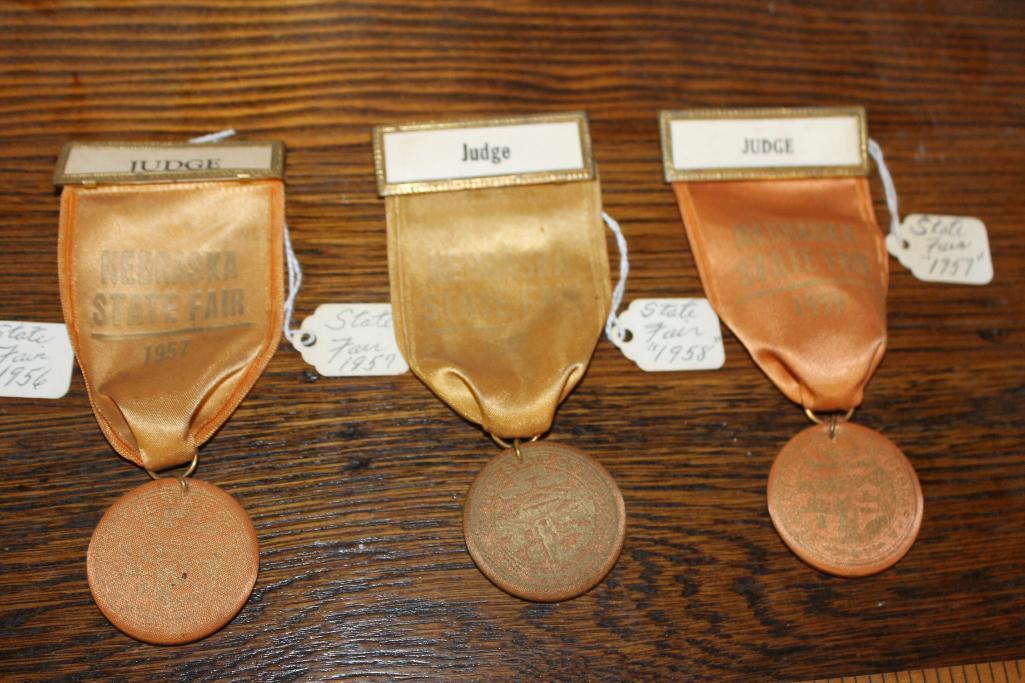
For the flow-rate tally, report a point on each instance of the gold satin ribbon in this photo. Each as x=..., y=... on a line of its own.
x=172, y=294
x=499, y=296
x=798, y=270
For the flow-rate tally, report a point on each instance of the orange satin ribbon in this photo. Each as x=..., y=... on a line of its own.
x=798, y=270
x=172, y=294
x=499, y=296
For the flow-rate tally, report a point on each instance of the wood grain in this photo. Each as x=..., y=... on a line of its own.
x=1012, y=671
x=355, y=485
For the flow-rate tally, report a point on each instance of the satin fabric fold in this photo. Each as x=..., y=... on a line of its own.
x=172, y=294
x=798, y=270
x=499, y=296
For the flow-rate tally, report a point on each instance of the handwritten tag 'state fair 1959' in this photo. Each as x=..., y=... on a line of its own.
x=351, y=340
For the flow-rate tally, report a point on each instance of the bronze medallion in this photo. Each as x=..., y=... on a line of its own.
x=170, y=566
x=847, y=504
x=546, y=526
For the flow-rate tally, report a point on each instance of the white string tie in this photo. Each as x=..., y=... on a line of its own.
x=888, y=187
x=295, y=281
x=614, y=330
x=213, y=137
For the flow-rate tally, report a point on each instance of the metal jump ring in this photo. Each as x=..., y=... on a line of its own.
x=818, y=420
x=515, y=445
x=181, y=477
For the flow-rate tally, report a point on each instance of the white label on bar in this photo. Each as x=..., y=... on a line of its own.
x=85, y=159
x=448, y=156
x=35, y=359
x=82, y=162
x=738, y=146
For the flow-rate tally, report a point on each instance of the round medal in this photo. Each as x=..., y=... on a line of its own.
x=545, y=526
x=168, y=565
x=848, y=502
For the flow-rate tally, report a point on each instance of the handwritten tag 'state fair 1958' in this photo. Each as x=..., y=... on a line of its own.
x=672, y=334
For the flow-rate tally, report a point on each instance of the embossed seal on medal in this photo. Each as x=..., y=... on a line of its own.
x=169, y=566
x=850, y=504
x=547, y=526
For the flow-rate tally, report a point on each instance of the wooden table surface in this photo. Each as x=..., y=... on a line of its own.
x=356, y=485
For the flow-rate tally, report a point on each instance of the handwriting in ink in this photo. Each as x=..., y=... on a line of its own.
x=686, y=310
x=945, y=237
x=348, y=318
x=937, y=226
x=670, y=321
x=953, y=267
x=676, y=332
x=33, y=334
x=20, y=369
x=681, y=352
x=948, y=245
x=21, y=366
x=347, y=355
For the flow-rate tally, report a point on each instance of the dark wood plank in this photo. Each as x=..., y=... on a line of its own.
x=356, y=485
x=987, y=672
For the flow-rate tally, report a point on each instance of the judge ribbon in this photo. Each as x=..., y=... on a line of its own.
x=499, y=288
x=170, y=260
x=779, y=216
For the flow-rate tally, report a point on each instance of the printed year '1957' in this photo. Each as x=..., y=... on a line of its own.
x=166, y=351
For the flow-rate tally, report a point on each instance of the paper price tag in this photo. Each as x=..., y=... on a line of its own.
x=672, y=334
x=952, y=249
x=351, y=340
x=35, y=359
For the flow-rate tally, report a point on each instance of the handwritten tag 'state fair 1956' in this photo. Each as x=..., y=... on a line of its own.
x=35, y=360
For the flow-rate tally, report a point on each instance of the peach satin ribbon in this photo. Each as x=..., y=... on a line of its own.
x=172, y=293
x=798, y=270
